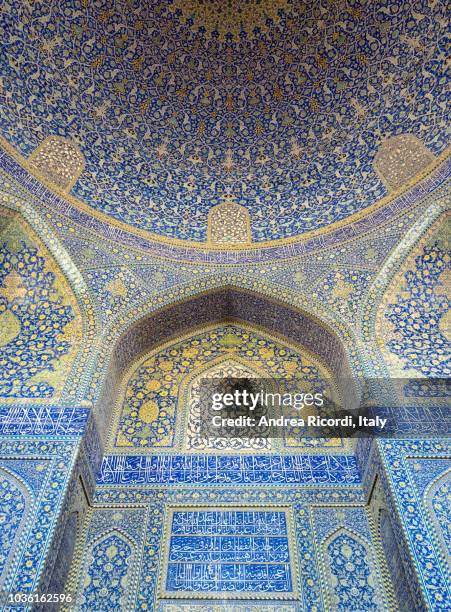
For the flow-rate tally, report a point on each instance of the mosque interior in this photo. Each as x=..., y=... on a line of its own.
x=199, y=191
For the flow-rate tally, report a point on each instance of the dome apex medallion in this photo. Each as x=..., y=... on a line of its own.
x=230, y=18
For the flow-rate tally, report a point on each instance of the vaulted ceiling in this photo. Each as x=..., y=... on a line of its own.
x=176, y=105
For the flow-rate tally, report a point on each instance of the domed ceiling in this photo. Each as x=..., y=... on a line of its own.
x=178, y=105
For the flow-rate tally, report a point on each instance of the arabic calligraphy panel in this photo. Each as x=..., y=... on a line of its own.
x=242, y=551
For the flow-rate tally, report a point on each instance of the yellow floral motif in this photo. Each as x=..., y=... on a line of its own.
x=149, y=411
x=230, y=17
x=267, y=353
x=10, y=326
x=342, y=289
x=190, y=352
x=166, y=365
x=13, y=287
x=39, y=337
x=230, y=341
x=153, y=385
x=445, y=325
x=117, y=288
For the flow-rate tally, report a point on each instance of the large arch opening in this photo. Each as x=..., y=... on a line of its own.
x=220, y=306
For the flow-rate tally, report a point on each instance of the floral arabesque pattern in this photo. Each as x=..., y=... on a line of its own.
x=106, y=578
x=351, y=575
x=12, y=510
x=419, y=313
x=34, y=319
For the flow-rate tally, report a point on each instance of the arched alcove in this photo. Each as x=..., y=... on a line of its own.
x=107, y=570
x=226, y=304
x=15, y=501
x=229, y=224
x=190, y=397
x=159, y=406
x=353, y=582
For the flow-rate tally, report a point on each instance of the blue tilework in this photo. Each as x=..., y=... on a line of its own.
x=223, y=470
x=106, y=575
x=395, y=565
x=229, y=551
x=130, y=508
x=41, y=316
x=42, y=420
x=354, y=590
x=12, y=505
x=419, y=340
x=54, y=205
x=30, y=471
x=44, y=466
x=170, y=119
x=396, y=457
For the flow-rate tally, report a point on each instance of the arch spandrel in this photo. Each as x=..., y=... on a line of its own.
x=40, y=317
x=412, y=322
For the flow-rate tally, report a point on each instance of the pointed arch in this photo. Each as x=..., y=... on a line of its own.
x=45, y=309
x=189, y=400
x=351, y=574
x=106, y=572
x=150, y=407
x=220, y=304
x=235, y=366
x=15, y=501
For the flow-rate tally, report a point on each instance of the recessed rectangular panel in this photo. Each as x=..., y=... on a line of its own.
x=229, y=553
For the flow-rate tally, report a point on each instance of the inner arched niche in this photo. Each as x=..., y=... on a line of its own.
x=236, y=367
x=158, y=404
x=189, y=400
x=224, y=305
